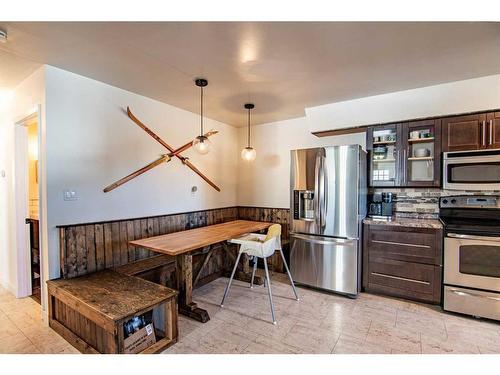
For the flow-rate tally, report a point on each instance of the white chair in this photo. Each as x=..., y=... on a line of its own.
x=260, y=246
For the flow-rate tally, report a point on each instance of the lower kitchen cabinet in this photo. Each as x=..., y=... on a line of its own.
x=403, y=261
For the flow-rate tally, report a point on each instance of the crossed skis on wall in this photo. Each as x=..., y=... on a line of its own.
x=165, y=158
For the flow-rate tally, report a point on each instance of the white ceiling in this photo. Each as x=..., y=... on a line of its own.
x=281, y=67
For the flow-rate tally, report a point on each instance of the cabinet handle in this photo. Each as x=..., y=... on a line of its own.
x=484, y=133
x=400, y=278
x=401, y=244
x=491, y=132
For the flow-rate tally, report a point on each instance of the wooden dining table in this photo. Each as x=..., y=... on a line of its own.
x=183, y=244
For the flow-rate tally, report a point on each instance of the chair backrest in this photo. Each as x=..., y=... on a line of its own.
x=273, y=231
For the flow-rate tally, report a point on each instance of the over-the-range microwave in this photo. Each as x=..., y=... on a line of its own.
x=471, y=170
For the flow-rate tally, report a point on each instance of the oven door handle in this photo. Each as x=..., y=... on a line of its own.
x=461, y=292
x=471, y=237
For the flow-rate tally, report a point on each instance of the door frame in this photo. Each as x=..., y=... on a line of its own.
x=21, y=193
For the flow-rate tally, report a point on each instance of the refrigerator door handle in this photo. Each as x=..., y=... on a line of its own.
x=323, y=192
x=317, y=192
x=323, y=240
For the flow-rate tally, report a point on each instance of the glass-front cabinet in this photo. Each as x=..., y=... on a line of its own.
x=384, y=145
x=405, y=154
x=422, y=153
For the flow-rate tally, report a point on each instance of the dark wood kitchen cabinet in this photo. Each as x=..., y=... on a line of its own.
x=463, y=133
x=405, y=154
x=404, y=262
x=493, y=123
x=421, y=157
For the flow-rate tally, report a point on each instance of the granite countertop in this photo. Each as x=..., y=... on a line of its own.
x=407, y=222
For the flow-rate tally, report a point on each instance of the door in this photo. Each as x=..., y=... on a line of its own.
x=421, y=157
x=307, y=184
x=462, y=133
x=338, y=198
x=472, y=171
x=384, y=145
x=493, y=122
x=326, y=263
x=472, y=261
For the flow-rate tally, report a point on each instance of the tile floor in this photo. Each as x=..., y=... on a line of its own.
x=23, y=331
x=318, y=323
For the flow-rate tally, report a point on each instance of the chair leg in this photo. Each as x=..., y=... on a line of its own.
x=269, y=290
x=253, y=271
x=230, y=279
x=289, y=275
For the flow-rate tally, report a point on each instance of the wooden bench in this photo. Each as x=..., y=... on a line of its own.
x=90, y=311
x=159, y=269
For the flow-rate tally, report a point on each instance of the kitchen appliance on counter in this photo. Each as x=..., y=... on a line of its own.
x=381, y=206
x=471, y=255
x=471, y=170
x=328, y=201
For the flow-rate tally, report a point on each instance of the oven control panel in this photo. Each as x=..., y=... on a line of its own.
x=470, y=201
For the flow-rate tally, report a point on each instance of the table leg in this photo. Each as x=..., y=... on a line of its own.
x=185, y=287
x=246, y=273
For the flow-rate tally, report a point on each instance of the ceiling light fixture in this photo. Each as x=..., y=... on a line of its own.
x=3, y=36
x=201, y=143
x=248, y=153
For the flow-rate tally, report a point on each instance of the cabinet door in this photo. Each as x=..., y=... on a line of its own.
x=384, y=145
x=463, y=133
x=421, y=157
x=493, y=123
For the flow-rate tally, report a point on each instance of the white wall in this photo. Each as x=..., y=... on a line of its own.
x=91, y=143
x=450, y=98
x=23, y=101
x=265, y=182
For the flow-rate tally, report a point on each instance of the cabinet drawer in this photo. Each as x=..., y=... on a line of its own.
x=421, y=245
x=416, y=281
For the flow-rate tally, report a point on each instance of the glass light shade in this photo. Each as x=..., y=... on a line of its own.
x=248, y=154
x=201, y=144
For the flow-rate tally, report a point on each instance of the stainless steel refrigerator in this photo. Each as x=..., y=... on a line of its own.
x=328, y=204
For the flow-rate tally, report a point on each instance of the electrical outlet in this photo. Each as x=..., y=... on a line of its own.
x=70, y=195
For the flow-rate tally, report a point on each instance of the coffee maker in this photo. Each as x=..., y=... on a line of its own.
x=380, y=206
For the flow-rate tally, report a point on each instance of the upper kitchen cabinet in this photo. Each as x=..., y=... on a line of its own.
x=462, y=133
x=421, y=155
x=384, y=145
x=406, y=154
x=493, y=123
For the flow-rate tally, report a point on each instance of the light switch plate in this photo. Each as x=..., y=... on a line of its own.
x=70, y=195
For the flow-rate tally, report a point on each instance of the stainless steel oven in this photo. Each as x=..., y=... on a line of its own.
x=471, y=170
x=472, y=255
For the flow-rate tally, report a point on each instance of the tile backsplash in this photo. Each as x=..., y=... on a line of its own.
x=423, y=203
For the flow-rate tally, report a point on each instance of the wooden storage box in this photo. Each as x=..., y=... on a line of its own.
x=89, y=311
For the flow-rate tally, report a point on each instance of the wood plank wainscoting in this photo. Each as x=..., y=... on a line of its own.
x=90, y=247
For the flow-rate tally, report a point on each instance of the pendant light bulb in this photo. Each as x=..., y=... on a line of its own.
x=201, y=144
x=248, y=153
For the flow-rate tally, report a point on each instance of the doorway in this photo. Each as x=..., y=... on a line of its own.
x=28, y=207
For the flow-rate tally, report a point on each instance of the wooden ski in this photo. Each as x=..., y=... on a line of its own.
x=170, y=148
x=163, y=159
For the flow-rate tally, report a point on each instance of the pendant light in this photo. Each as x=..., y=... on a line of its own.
x=201, y=143
x=248, y=153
